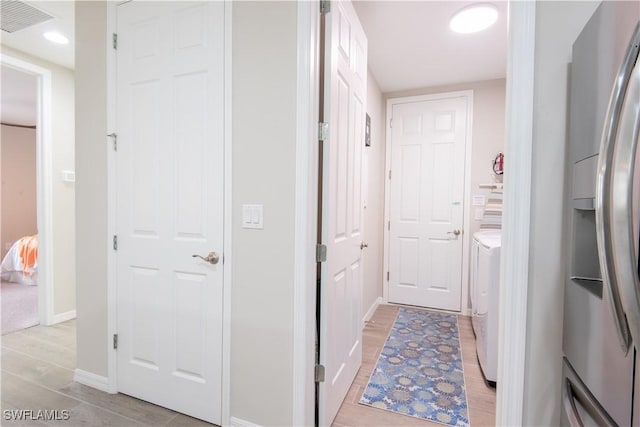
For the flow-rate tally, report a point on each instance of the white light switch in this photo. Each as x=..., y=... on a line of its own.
x=479, y=214
x=252, y=216
x=68, y=176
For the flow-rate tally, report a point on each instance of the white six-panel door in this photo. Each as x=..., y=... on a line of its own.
x=345, y=88
x=170, y=111
x=426, y=202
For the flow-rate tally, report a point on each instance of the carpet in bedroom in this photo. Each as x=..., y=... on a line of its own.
x=19, y=307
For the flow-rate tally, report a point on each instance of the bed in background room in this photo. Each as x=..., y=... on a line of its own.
x=20, y=265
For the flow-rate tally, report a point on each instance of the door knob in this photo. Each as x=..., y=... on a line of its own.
x=363, y=245
x=212, y=258
x=454, y=232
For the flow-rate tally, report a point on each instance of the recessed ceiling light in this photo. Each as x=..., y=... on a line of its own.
x=56, y=37
x=474, y=18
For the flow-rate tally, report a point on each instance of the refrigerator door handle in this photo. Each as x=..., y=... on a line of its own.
x=574, y=392
x=625, y=258
x=603, y=195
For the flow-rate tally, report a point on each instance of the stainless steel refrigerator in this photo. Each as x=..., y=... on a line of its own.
x=601, y=331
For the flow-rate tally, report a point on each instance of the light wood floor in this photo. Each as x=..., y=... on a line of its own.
x=38, y=364
x=37, y=373
x=480, y=397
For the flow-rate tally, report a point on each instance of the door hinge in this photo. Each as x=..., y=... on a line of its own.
x=390, y=123
x=325, y=7
x=323, y=131
x=114, y=40
x=388, y=225
x=321, y=252
x=387, y=276
x=319, y=373
x=389, y=173
x=115, y=243
x=115, y=341
x=114, y=136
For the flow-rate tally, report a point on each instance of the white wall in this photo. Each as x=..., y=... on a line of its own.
x=264, y=136
x=557, y=26
x=374, y=165
x=91, y=185
x=487, y=133
x=18, y=174
x=62, y=194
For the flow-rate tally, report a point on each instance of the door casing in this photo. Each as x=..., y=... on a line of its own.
x=466, y=237
x=44, y=196
x=112, y=211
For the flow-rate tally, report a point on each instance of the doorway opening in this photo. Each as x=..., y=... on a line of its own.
x=31, y=146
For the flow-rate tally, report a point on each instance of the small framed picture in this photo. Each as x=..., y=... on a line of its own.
x=367, y=132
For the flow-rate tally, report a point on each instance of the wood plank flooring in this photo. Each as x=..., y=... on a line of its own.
x=37, y=373
x=38, y=364
x=480, y=397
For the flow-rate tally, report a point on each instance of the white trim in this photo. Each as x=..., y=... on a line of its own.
x=44, y=180
x=466, y=205
x=92, y=380
x=517, y=209
x=112, y=285
x=227, y=216
x=237, y=422
x=63, y=317
x=306, y=213
x=369, y=314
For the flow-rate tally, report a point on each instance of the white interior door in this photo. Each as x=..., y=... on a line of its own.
x=170, y=164
x=345, y=87
x=428, y=140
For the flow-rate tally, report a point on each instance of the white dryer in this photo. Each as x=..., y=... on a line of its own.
x=485, y=289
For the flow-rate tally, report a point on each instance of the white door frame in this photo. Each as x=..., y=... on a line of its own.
x=306, y=213
x=515, y=253
x=514, y=261
x=466, y=221
x=44, y=180
x=112, y=360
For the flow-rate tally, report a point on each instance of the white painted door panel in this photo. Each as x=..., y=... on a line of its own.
x=170, y=203
x=428, y=141
x=345, y=88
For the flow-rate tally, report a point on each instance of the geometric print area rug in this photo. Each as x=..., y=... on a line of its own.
x=419, y=372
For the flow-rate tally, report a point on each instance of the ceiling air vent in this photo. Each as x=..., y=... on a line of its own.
x=16, y=15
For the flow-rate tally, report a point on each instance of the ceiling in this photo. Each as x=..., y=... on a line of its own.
x=30, y=39
x=411, y=46
x=19, y=97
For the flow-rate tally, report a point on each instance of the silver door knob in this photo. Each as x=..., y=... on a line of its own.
x=363, y=245
x=212, y=258
x=454, y=232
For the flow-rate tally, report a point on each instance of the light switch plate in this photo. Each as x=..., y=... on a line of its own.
x=479, y=214
x=252, y=217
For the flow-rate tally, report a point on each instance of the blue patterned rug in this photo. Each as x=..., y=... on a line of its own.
x=419, y=371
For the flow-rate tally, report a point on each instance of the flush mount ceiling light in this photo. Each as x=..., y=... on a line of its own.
x=474, y=18
x=56, y=37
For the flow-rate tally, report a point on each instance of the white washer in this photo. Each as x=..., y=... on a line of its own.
x=485, y=288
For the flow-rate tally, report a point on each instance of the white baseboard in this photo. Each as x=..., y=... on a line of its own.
x=369, y=314
x=92, y=380
x=237, y=422
x=63, y=317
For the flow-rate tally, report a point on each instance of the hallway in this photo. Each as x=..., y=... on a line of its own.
x=480, y=397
